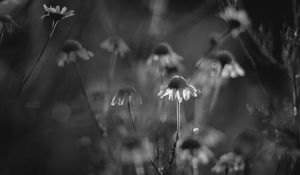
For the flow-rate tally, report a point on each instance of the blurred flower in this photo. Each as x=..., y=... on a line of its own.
x=164, y=60
x=7, y=24
x=178, y=88
x=116, y=45
x=136, y=149
x=237, y=19
x=72, y=50
x=230, y=162
x=126, y=95
x=4, y=2
x=223, y=65
x=208, y=136
x=57, y=14
x=190, y=149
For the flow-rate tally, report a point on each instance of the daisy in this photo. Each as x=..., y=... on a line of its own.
x=137, y=150
x=228, y=163
x=115, y=45
x=57, y=14
x=192, y=152
x=177, y=89
x=223, y=65
x=127, y=96
x=237, y=19
x=7, y=24
x=72, y=50
x=164, y=60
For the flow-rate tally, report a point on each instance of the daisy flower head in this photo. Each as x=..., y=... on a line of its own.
x=178, y=88
x=164, y=54
x=224, y=65
x=116, y=45
x=228, y=163
x=190, y=149
x=237, y=20
x=7, y=25
x=57, y=13
x=72, y=50
x=126, y=95
x=136, y=149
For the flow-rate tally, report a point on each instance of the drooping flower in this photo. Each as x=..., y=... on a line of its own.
x=177, y=89
x=190, y=149
x=164, y=60
x=136, y=149
x=230, y=162
x=115, y=45
x=237, y=20
x=7, y=25
x=126, y=95
x=72, y=50
x=57, y=13
x=223, y=65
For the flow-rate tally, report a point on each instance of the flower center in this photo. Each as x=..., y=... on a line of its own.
x=177, y=82
x=56, y=16
x=234, y=24
x=161, y=50
x=71, y=46
x=190, y=144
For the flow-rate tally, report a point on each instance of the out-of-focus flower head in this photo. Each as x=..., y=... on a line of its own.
x=72, y=50
x=136, y=149
x=177, y=89
x=57, y=14
x=164, y=60
x=230, y=162
x=248, y=143
x=237, y=19
x=8, y=6
x=7, y=25
x=208, y=136
x=116, y=45
x=190, y=149
x=126, y=95
x=223, y=65
x=3, y=2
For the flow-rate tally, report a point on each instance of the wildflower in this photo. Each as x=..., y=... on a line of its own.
x=230, y=162
x=178, y=88
x=237, y=19
x=127, y=95
x=72, y=50
x=223, y=64
x=7, y=24
x=190, y=149
x=57, y=14
x=137, y=150
x=164, y=59
x=115, y=45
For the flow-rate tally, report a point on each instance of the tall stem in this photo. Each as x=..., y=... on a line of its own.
x=172, y=154
x=26, y=77
x=95, y=121
x=195, y=166
x=131, y=116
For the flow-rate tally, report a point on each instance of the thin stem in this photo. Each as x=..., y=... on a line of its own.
x=254, y=66
x=172, y=154
x=195, y=166
x=95, y=121
x=215, y=94
x=131, y=116
x=139, y=168
x=26, y=77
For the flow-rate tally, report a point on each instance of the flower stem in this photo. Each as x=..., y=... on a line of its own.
x=99, y=127
x=195, y=166
x=139, y=168
x=172, y=155
x=26, y=77
x=131, y=116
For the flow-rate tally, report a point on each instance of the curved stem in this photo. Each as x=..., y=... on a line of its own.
x=131, y=116
x=178, y=117
x=26, y=77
